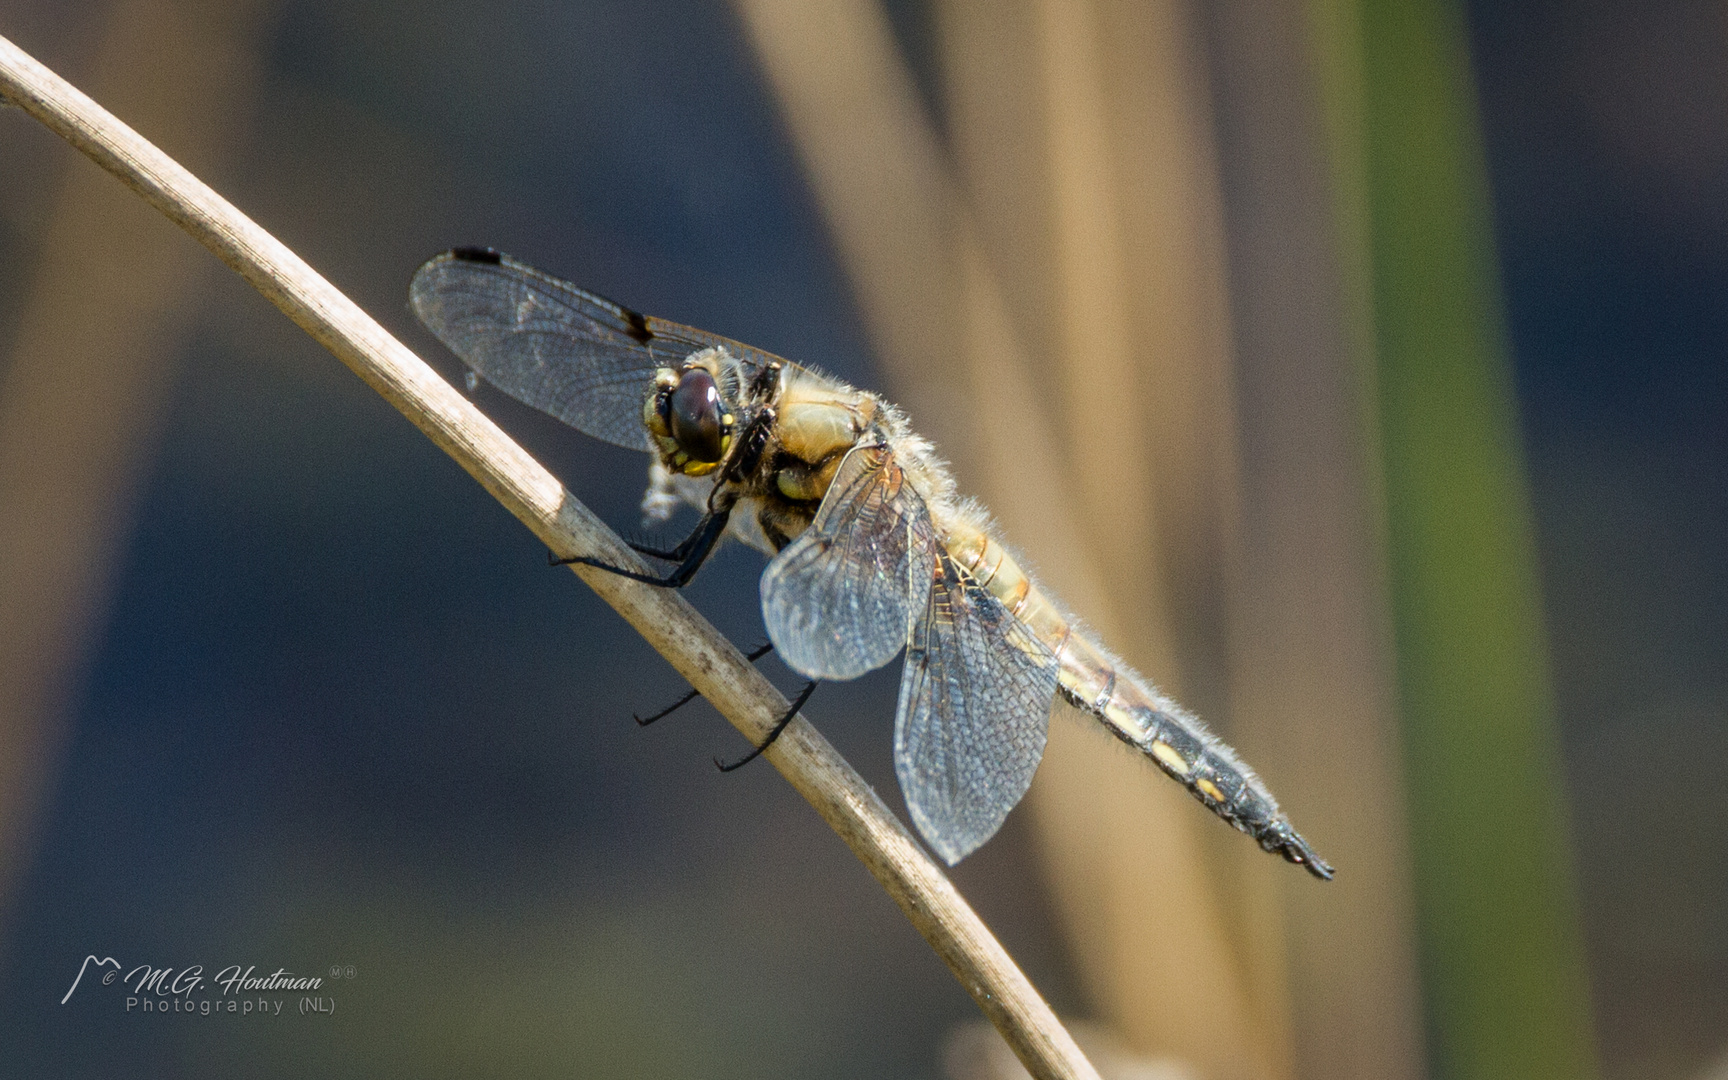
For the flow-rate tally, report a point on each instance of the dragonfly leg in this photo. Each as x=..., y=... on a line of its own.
x=664, y=554
x=779, y=726
x=676, y=554
x=696, y=550
x=753, y=656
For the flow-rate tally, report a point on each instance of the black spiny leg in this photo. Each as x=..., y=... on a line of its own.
x=753, y=656
x=677, y=554
x=803, y=696
x=694, y=551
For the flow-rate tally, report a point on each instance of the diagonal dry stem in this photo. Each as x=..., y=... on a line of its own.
x=670, y=624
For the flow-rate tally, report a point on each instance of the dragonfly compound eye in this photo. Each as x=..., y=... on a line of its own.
x=697, y=419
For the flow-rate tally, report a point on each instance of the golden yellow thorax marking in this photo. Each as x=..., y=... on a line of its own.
x=812, y=430
x=807, y=483
x=815, y=431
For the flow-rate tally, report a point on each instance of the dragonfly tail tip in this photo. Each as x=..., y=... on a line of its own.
x=1301, y=854
x=1290, y=844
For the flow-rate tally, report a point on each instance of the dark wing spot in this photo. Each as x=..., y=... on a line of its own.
x=638, y=324
x=489, y=256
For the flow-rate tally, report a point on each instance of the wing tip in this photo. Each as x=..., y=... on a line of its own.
x=952, y=858
x=425, y=283
x=947, y=834
x=949, y=851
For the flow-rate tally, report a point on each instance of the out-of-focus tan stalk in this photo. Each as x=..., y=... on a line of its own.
x=1076, y=386
x=1497, y=906
x=1092, y=175
x=915, y=258
x=84, y=380
x=1312, y=673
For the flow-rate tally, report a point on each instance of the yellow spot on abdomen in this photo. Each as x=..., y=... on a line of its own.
x=1173, y=761
x=1210, y=789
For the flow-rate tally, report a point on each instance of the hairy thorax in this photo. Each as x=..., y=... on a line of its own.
x=816, y=420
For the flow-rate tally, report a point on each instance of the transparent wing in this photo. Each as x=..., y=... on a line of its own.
x=839, y=600
x=563, y=350
x=974, y=712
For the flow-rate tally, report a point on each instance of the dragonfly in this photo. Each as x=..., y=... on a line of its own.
x=872, y=551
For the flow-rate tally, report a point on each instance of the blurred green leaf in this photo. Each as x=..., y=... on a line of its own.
x=1503, y=960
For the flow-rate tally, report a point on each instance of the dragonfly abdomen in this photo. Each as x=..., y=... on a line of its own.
x=1181, y=746
x=1097, y=683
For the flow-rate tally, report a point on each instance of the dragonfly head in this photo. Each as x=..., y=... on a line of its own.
x=689, y=417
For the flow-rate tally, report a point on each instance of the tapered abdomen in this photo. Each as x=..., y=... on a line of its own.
x=1092, y=680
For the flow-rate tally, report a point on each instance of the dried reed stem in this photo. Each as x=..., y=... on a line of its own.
x=661, y=616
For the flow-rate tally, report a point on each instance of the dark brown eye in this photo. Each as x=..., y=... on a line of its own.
x=696, y=416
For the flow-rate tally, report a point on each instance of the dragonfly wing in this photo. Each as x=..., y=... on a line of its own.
x=974, y=712
x=545, y=342
x=839, y=600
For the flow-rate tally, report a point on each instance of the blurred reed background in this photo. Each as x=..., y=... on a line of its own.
x=1354, y=367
